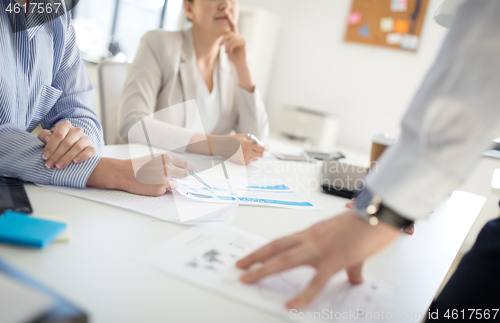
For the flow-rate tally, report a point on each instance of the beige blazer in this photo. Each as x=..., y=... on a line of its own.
x=161, y=80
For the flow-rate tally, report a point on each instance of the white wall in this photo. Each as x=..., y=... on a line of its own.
x=368, y=87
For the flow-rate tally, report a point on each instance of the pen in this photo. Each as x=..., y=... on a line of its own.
x=199, y=179
x=255, y=139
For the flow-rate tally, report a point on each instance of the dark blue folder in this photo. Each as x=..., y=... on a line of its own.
x=21, y=229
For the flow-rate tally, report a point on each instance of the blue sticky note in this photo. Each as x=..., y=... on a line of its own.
x=364, y=31
x=21, y=229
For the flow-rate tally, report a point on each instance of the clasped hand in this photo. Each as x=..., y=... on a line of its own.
x=65, y=144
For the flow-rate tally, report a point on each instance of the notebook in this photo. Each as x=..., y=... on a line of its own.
x=20, y=229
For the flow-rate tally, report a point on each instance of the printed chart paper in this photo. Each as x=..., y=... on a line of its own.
x=244, y=191
x=205, y=255
x=171, y=207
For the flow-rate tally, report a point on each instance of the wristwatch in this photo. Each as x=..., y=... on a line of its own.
x=370, y=207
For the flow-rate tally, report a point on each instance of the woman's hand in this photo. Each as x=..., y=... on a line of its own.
x=236, y=52
x=409, y=229
x=142, y=176
x=342, y=242
x=65, y=144
x=251, y=151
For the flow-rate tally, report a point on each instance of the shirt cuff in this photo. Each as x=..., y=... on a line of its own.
x=409, y=183
x=247, y=95
x=75, y=175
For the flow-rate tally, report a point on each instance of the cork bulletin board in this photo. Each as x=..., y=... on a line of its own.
x=389, y=23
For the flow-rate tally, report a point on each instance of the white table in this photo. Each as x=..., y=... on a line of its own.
x=96, y=270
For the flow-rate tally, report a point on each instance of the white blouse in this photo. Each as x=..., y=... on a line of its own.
x=208, y=103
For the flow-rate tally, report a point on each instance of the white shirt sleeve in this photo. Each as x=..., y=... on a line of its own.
x=452, y=120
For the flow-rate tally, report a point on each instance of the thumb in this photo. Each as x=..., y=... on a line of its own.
x=355, y=275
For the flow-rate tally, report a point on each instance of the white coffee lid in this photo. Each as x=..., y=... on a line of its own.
x=384, y=139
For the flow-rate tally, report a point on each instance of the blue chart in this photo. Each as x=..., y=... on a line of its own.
x=252, y=191
x=275, y=202
x=280, y=187
x=215, y=197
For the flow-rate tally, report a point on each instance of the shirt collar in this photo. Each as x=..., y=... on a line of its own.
x=33, y=20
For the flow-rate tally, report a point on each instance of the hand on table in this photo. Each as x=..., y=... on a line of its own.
x=65, y=144
x=410, y=229
x=251, y=151
x=227, y=146
x=153, y=178
x=342, y=242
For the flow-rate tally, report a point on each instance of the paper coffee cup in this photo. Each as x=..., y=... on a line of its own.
x=379, y=144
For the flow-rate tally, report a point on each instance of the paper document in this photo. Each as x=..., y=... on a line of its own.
x=171, y=207
x=205, y=255
x=245, y=191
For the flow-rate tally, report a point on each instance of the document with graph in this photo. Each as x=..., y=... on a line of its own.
x=244, y=191
x=206, y=255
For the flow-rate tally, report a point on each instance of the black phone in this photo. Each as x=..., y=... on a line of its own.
x=13, y=196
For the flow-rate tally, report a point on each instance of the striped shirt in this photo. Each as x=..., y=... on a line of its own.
x=42, y=81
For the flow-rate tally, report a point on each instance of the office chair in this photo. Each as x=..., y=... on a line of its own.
x=111, y=80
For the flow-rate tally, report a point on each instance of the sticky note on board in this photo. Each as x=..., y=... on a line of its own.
x=409, y=42
x=401, y=26
x=394, y=38
x=386, y=24
x=364, y=31
x=399, y=5
x=355, y=18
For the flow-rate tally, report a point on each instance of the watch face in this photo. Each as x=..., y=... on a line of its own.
x=371, y=208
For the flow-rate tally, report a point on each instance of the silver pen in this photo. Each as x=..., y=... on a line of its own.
x=255, y=139
x=199, y=179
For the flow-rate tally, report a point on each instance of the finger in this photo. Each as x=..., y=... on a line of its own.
x=173, y=171
x=59, y=132
x=355, y=274
x=224, y=39
x=268, y=251
x=229, y=46
x=250, y=153
x=172, y=185
x=258, y=154
x=258, y=148
x=350, y=204
x=182, y=163
x=45, y=135
x=232, y=23
x=227, y=38
x=73, y=136
x=318, y=282
x=291, y=259
x=85, y=155
x=233, y=45
x=79, y=147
